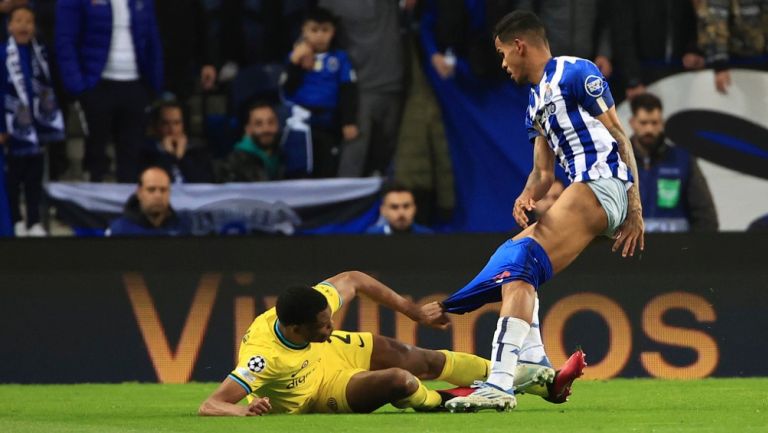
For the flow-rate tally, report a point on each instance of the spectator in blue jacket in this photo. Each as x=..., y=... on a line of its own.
x=320, y=78
x=110, y=59
x=398, y=211
x=148, y=212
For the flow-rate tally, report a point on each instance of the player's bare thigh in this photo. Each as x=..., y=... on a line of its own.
x=572, y=222
x=367, y=391
x=422, y=363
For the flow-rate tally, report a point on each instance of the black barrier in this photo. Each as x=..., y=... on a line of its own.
x=172, y=310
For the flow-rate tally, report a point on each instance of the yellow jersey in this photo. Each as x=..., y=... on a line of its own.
x=271, y=366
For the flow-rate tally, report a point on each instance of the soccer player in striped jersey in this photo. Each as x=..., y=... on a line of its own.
x=571, y=116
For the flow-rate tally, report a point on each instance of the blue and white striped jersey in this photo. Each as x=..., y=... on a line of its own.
x=563, y=108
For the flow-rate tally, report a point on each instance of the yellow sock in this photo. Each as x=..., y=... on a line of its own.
x=540, y=390
x=461, y=369
x=422, y=399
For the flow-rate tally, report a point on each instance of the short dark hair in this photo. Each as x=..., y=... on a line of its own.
x=300, y=305
x=165, y=105
x=646, y=101
x=394, y=187
x=257, y=105
x=320, y=16
x=20, y=8
x=153, y=167
x=517, y=23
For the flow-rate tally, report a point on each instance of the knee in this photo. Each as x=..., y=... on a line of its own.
x=422, y=363
x=402, y=382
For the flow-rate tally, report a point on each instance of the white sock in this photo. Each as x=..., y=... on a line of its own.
x=507, y=341
x=533, y=347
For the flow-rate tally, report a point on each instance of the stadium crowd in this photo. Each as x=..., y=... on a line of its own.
x=251, y=91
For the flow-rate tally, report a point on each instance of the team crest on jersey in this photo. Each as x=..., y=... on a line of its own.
x=332, y=64
x=257, y=364
x=594, y=86
x=547, y=94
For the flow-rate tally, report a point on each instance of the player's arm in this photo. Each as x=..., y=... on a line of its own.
x=224, y=402
x=350, y=283
x=631, y=231
x=539, y=181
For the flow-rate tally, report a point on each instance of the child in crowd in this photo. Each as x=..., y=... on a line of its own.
x=32, y=118
x=320, y=77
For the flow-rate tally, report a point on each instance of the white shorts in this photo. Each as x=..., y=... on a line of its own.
x=612, y=195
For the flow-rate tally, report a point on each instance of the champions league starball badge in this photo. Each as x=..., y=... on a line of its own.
x=257, y=364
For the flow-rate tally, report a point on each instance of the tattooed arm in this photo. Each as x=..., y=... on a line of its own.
x=631, y=232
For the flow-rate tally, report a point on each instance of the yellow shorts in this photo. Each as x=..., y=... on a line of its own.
x=347, y=354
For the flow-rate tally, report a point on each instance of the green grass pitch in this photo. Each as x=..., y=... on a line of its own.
x=620, y=405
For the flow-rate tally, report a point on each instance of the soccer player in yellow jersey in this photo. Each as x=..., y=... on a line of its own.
x=292, y=361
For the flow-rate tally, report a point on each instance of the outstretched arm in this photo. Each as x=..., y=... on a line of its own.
x=224, y=402
x=539, y=181
x=631, y=231
x=350, y=283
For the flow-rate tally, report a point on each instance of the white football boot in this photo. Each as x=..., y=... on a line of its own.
x=485, y=397
x=533, y=379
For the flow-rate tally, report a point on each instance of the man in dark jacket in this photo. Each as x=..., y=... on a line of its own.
x=675, y=194
x=148, y=212
x=257, y=156
x=110, y=59
x=398, y=212
x=186, y=158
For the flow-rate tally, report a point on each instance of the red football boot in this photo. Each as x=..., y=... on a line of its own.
x=560, y=388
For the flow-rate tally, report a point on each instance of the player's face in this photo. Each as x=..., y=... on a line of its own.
x=321, y=330
x=318, y=35
x=263, y=127
x=399, y=209
x=511, y=59
x=647, y=126
x=22, y=26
